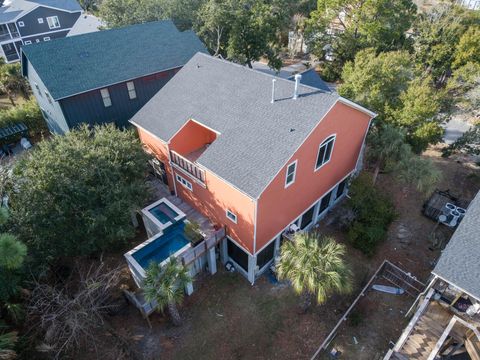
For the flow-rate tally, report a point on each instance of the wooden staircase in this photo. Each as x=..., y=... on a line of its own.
x=401, y=279
x=425, y=335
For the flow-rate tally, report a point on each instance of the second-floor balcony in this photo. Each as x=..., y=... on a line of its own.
x=188, y=166
x=8, y=32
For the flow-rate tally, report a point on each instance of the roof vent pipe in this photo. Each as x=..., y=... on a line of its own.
x=298, y=77
x=273, y=91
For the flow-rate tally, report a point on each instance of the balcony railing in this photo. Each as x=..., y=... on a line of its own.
x=188, y=166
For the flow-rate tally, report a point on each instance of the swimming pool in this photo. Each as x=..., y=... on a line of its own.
x=158, y=216
x=164, y=213
x=162, y=247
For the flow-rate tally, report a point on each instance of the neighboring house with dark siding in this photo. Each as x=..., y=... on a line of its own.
x=26, y=22
x=105, y=76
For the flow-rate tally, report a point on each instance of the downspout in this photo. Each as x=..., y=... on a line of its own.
x=254, y=234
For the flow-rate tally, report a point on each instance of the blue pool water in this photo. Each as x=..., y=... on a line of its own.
x=172, y=240
x=164, y=213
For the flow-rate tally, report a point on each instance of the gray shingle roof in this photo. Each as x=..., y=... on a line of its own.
x=15, y=8
x=311, y=78
x=76, y=64
x=460, y=261
x=256, y=137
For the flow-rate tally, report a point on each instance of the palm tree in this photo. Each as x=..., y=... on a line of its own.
x=164, y=285
x=315, y=267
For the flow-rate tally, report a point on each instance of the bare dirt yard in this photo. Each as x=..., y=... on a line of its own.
x=227, y=318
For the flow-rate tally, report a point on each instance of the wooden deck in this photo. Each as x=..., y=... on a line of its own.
x=161, y=191
x=434, y=330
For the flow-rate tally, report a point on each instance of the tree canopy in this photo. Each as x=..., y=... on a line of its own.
x=117, y=13
x=341, y=28
x=437, y=35
x=76, y=192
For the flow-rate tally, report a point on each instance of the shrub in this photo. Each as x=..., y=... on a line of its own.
x=28, y=113
x=374, y=212
x=76, y=192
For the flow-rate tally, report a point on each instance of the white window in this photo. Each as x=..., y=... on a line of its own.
x=37, y=40
x=325, y=152
x=184, y=182
x=38, y=90
x=131, y=90
x=106, y=97
x=40, y=20
x=46, y=38
x=27, y=42
x=53, y=22
x=48, y=97
x=290, y=176
x=21, y=24
x=231, y=216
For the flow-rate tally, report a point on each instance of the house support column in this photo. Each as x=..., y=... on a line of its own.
x=252, y=264
x=212, y=261
x=223, y=251
x=189, y=286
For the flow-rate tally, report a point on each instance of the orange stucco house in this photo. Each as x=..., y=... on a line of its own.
x=253, y=152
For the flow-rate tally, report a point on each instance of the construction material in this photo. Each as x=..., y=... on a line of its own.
x=388, y=289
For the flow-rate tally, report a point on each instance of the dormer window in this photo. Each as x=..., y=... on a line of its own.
x=325, y=152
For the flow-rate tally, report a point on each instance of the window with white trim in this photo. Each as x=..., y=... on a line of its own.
x=185, y=183
x=106, y=97
x=132, y=94
x=290, y=175
x=53, y=22
x=46, y=38
x=21, y=24
x=231, y=216
x=40, y=20
x=325, y=152
x=27, y=42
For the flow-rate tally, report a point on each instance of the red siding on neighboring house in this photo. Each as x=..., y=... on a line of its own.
x=279, y=206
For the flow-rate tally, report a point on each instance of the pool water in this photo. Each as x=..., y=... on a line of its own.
x=164, y=213
x=172, y=240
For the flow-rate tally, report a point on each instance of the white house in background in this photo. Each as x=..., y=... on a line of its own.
x=25, y=22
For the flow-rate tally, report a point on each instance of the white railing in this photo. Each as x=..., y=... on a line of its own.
x=188, y=166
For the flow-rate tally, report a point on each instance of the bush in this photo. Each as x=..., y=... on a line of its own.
x=28, y=113
x=374, y=212
x=76, y=192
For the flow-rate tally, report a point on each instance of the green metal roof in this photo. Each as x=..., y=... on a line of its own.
x=77, y=64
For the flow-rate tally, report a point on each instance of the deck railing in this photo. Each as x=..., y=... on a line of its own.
x=188, y=166
x=194, y=253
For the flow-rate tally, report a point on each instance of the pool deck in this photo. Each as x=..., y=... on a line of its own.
x=161, y=191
